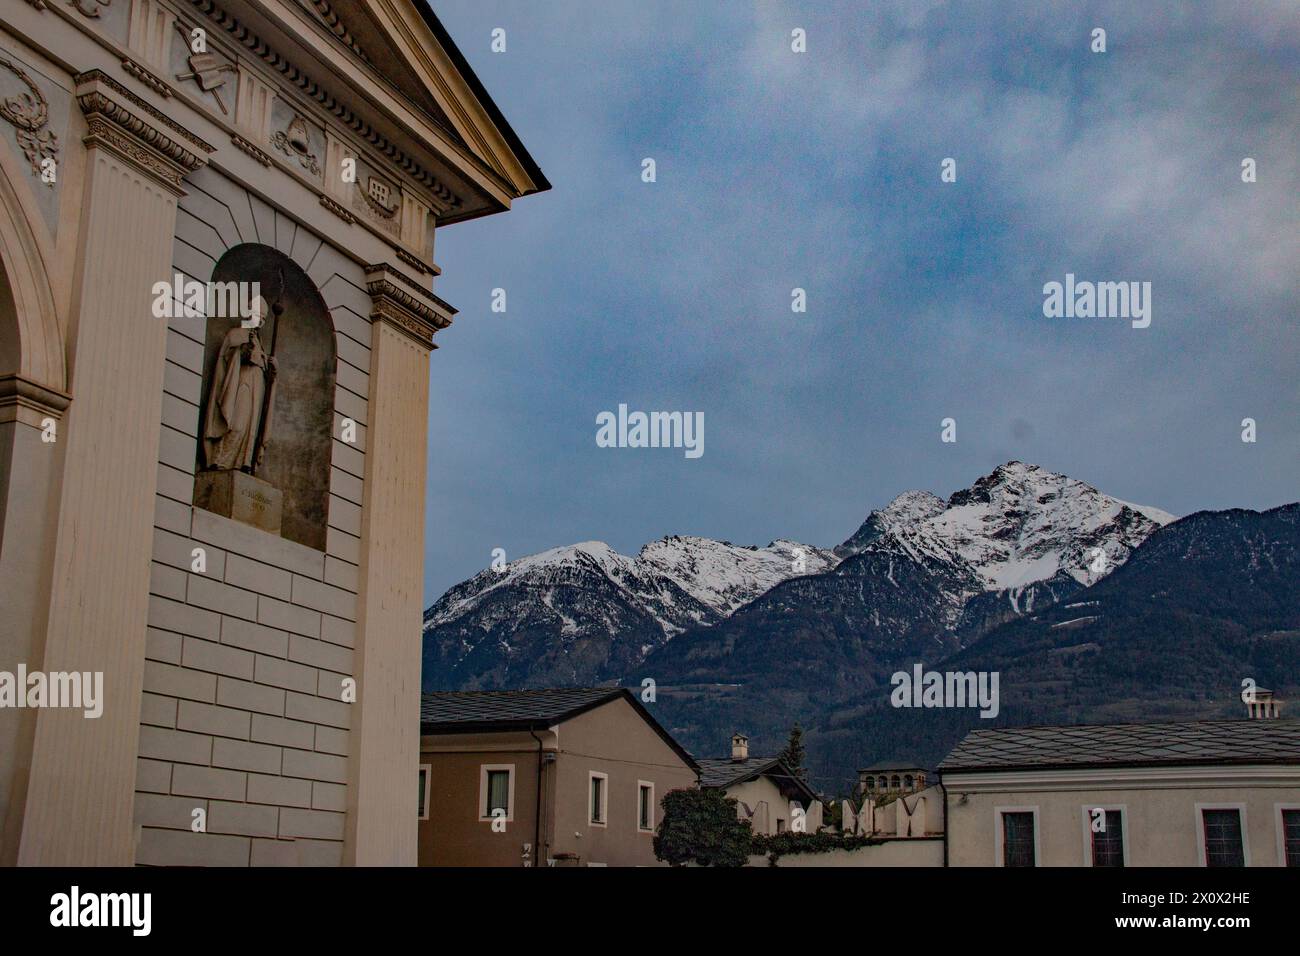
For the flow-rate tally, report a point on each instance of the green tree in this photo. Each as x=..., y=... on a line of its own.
x=700, y=826
x=793, y=755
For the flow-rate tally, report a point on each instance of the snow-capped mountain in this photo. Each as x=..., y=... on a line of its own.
x=584, y=612
x=1016, y=526
x=920, y=579
x=920, y=569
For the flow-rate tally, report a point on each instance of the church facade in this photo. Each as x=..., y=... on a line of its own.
x=217, y=224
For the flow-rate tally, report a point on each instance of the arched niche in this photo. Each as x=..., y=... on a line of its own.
x=300, y=335
x=32, y=345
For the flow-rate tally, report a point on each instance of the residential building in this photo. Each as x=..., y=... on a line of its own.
x=562, y=777
x=1192, y=793
x=248, y=598
x=766, y=791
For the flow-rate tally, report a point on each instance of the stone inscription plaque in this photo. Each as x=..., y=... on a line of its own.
x=241, y=496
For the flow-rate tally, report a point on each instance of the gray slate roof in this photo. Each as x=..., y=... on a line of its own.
x=475, y=711
x=513, y=709
x=723, y=771
x=1185, y=743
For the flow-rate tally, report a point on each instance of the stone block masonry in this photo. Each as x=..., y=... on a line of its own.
x=243, y=716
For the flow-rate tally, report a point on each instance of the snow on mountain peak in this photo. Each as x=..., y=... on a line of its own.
x=584, y=612
x=914, y=505
x=1015, y=526
x=679, y=580
x=724, y=576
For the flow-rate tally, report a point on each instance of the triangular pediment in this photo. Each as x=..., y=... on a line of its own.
x=403, y=42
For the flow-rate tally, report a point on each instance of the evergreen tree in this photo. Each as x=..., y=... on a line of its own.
x=793, y=754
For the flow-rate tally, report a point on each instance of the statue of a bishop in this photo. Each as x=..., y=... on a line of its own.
x=237, y=426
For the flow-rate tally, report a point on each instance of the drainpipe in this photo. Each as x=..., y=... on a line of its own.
x=947, y=822
x=537, y=832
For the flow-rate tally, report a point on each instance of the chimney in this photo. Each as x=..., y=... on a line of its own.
x=739, y=748
x=1261, y=705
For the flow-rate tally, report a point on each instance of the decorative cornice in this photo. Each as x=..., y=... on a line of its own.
x=119, y=119
x=415, y=262
x=445, y=197
x=404, y=303
x=332, y=21
x=17, y=392
x=338, y=210
x=101, y=78
x=145, y=77
x=240, y=143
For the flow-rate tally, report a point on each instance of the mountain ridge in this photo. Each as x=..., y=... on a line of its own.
x=585, y=613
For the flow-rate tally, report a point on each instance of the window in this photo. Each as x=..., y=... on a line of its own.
x=907, y=781
x=1222, y=830
x=1018, y=839
x=1108, y=843
x=645, y=806
x=1291, y=836
x=425, y=770
x=597, y=804
x=496, y=791
x=893, y=782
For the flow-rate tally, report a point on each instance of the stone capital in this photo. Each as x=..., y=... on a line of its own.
x=120, y=121
x=405, y=304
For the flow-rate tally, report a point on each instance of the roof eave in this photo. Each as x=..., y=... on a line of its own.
x=534, y=172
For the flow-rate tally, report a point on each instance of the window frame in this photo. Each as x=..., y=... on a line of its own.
x=1122, y=809
x=999, y=831
x=1203, y=860
x=426, y=771
x=604, y=799
x=640, y=786
x=483, y=792
x=1279, y=811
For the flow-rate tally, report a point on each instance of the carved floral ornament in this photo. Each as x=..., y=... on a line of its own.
x=30, y=113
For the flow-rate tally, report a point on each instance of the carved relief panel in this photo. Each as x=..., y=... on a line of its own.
x=201, y=69
x=297, y=140
x=34, y=113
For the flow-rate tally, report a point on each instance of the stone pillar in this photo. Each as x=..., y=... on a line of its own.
x=29, y=469
x=80, y=792
x=385, y=740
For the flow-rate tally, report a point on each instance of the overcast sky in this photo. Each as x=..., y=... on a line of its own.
x=821, y=170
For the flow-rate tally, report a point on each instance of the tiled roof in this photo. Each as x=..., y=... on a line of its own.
x=723, y=771
x=486, y=711
x=451, y=710
x=1135, y=745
